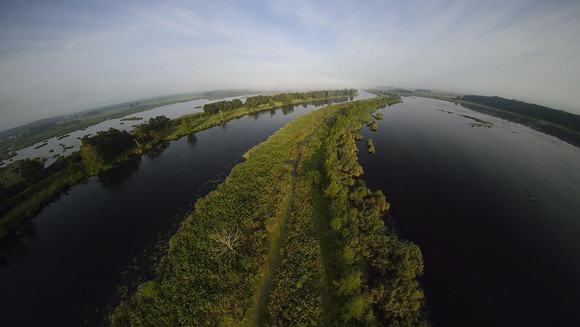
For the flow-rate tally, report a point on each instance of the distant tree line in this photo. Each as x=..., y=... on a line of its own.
x=215, y=107
x=286, y=99
x=559, y=117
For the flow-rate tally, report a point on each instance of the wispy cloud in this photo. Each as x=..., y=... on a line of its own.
x=61, y=58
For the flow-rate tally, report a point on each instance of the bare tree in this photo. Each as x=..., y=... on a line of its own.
x=227, y=240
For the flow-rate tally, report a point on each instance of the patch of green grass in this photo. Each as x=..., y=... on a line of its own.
x=131, y=118
x=479, y=122
x=371, y=146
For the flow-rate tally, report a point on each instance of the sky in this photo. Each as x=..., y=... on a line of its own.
x=60, y=57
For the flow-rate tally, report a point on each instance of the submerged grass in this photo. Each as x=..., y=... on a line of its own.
x=479, y=122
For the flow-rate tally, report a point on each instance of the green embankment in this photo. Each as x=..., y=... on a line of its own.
x=291, y=237
x=23, y=199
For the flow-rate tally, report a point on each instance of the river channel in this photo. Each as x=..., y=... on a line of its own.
x=496, y=212
x=68, y=271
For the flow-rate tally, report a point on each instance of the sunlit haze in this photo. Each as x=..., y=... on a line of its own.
x=58, y=57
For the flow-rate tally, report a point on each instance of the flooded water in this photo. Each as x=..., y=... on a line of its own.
x=496, y=212
x=48, y=149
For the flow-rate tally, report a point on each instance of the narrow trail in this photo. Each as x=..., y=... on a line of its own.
x=259, y=313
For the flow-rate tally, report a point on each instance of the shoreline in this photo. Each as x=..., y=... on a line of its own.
x=560, y=132
x=30, y=202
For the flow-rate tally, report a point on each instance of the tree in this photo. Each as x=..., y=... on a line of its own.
x=93, y=160
x=286, y=98
x=104, y=146
x=153, y=128
x=187, y=123
x=31, y=171
x=252, y=103
x=227, y=239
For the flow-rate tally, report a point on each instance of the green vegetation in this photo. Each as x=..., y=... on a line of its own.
x=104, y=151
x=561, y=124
x=131, y=118
x=379, y=116
x=255, y=102
x=40, y=146
x=26, y=187
x=27, y=135
x=445, y=96
x=558, y=123
x=558, y=117
x=371, y=146
x=291, y=237
x=532, y=197
x=96, y=151
x=155, y=129
x=479, y=122
x=374, y=126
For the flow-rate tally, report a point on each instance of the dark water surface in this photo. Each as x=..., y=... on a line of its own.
x=492, y=257
x=67, y=273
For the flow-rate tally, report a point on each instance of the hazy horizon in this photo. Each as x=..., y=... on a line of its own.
x=60, y=58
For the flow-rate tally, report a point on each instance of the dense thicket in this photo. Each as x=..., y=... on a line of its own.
x=155, y=127
x=370, y=273
x=105, y=145
x=559, y=117
x=215, y=107
x=340, y=265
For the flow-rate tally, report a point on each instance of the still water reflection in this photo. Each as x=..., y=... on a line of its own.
x=464, y=193
x=67, y=273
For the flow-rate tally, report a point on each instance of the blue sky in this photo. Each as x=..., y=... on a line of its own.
x=58, y=57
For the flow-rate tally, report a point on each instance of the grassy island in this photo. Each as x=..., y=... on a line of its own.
x=371, y=146
x=131, y=118
x=291, y=237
